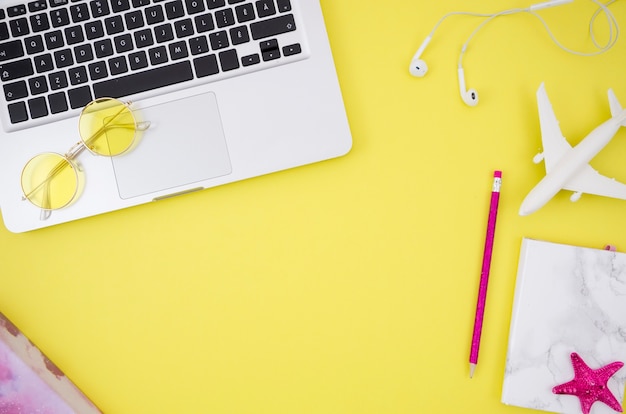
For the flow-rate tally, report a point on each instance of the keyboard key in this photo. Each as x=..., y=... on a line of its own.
x=94, y=30
x=206, y=65
x=178, y=50
x=117, y=65
x=74, y=35
x=265, y=8
x=119, y=6
x=154, y=14
x=63, y=58
x=143, y=38
x=250, y=60
x=194, y=6
x=283, y=5
x=77, y=75
x=272, y=27
x=38, y=5
x=38, y=107
x=219, y=40
x=79, y=97
x=224, y=18
x=39, y=22
x=15, y=90
x=83, y=53
x=229, y=60
x=183, y=28
x=271, y=54
x=174, y=9
x=245, y=12
x=19, y=27
x=79, y=12
x=98, y=70
x=163, y=33
x=214, y=4
x=16, y=10
x=11, y=50
x=139, y=3
x=103, y=48
x=234, y=1
x=16, y=69
x=59, y=17
x=43, y=63
x=57, y=102
x=4, y=31
x=33, y=44
x=198, y=45
x=123, y=43
x=114, y=24
x=292, y=49
x=17, y=112
x=239, y=35
x=38, y=85
x=57, y=3
x=138, y=60
x=54, y=39
x=157, y=55
x=204, y=23
x=99, y=8
x=144, y=81
x=134, y=20
x=268, y=45
x=58, y=80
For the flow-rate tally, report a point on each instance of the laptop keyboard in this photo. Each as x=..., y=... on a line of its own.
x=58, y=55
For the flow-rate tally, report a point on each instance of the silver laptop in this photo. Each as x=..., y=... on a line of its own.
x=217, y=91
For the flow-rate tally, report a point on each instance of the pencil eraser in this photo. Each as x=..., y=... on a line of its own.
x=30, y=382
x=497, y=174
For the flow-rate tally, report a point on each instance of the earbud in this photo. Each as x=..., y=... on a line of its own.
x=418, y=67
x=470, y=97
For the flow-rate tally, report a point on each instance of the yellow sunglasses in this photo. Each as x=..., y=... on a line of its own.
x=106, y=127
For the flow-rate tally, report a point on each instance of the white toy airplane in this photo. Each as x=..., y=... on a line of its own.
x=568, y=168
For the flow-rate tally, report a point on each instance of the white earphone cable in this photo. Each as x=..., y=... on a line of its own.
x=602, y=8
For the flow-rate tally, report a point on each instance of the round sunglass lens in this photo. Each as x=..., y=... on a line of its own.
x=49, y=181
x=107, y=126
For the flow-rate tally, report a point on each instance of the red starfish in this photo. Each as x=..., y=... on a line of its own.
x=589, y=385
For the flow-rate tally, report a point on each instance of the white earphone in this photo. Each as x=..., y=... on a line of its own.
x=419, y=68
x=470, y=97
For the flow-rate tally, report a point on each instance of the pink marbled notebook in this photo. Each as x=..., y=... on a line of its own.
x=31, y=383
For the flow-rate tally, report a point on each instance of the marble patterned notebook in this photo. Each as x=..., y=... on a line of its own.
x=567, y=339
x=30, y=383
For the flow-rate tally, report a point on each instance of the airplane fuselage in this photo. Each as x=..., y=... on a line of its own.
x=568, y=165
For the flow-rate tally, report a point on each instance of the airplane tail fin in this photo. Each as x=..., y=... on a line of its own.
x=616, y=107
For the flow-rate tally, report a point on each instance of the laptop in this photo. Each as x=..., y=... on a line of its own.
x=219, y=91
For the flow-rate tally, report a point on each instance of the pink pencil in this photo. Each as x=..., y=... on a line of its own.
x=484, y=274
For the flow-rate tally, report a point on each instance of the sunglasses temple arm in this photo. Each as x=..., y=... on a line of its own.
x=45, y=213
x=143, y=125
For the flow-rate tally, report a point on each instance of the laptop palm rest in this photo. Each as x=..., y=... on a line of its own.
x=184, y=144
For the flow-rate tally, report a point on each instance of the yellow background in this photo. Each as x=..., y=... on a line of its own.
x=348, y=286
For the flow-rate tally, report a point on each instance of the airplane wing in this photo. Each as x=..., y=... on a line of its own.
x=589, y=181
x=554, y=143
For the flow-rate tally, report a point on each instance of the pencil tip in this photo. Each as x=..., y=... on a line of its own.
x=472, y=368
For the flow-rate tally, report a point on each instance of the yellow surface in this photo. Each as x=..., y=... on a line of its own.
x=348, y=286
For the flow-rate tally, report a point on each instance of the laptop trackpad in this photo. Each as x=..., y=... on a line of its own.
x=184, y=144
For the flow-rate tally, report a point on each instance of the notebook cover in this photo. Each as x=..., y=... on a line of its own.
x=30, y=383
x=567, y=300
